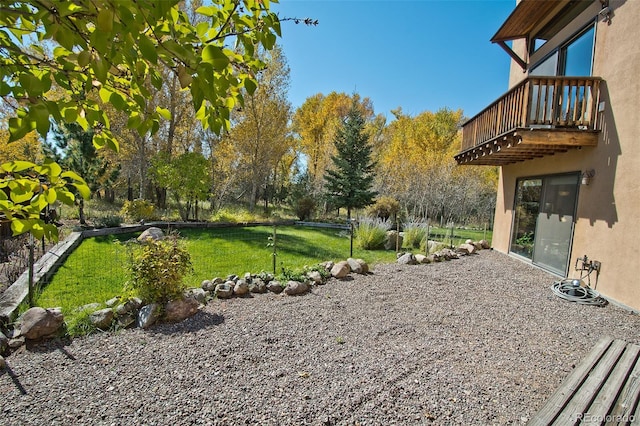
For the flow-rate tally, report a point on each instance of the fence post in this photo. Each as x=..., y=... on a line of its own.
x=451, y=237
x=275, y=249
x=351, y=239
x=397, y=236
x=426, y=243
x=32, y=244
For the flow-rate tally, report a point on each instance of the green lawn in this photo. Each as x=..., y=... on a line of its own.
x=95, y=271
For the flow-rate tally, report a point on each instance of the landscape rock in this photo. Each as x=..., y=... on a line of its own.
x=130, y=306
x=294, y=288
x=241, y=288
x=16, y=342
x=394, y=240
x=208, y=285
x=354, y=265
x=102, y=318
x=152, y=233
x=231, y=277
x=257, y=286
x=3, y=363
x=180, y=309
x=4, y=343
x=315, y=276
x=485, y=244
x=421, y=258
x=274, y=287
x=124, y=321
x=39, y=322
x=364, y=265
x=224, y=290
x=328, y=265
x=89, y=307
x=340, y=270
x=196, y=293
x=407, y=259
x=467, y=248
x=148, y=316
x=112, y=302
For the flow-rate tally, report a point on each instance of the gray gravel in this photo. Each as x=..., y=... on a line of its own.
x=480, y=340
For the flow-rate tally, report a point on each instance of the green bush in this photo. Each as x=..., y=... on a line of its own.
x=110, y=221
x=384, y=208
x=138, y=210
x=371, y=234
x=305, y=207
x=415, y=235
x=158, y=268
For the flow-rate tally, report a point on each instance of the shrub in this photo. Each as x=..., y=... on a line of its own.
x=415, y=234
x=230, y=216
x=384, y=208
x=138, y=210
x=158, y=268
x=110, y=221
x=371, y=234
x=304, y=208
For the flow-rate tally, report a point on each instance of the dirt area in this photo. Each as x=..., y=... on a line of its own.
x=480, y=340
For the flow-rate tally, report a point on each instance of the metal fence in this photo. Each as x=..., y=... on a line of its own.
x=99, y=262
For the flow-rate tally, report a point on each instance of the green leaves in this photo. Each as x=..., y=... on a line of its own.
x=31, y=189
x=214, y=55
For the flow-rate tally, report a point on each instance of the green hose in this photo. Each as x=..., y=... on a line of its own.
x=568, y=290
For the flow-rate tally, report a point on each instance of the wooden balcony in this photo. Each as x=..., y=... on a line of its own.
x=538, y=117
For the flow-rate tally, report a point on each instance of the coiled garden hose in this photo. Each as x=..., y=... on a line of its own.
x=571, y=290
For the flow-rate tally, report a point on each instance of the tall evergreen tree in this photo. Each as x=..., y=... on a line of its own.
x=349, y=182
x=75, y=150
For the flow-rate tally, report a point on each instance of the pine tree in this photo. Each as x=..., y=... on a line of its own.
x=349, y=183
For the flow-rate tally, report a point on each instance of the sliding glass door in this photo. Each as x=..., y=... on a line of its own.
x=544, y=215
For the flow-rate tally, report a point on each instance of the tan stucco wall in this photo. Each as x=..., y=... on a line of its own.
x=608, y=214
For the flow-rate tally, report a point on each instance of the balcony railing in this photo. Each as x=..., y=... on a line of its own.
x=537, y=102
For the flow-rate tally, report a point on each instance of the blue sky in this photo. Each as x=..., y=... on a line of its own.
x=421, y=55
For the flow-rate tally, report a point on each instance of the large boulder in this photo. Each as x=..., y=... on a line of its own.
x=294, y=288
x=152, y=233
x=340, y=270
x=148, y=315
x=39, y=322
x=180, y=309
x=394, y=240
x=102, y=318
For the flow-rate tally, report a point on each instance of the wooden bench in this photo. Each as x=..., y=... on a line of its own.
x=603, y=389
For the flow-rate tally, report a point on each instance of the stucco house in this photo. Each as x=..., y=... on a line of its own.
x=566, y=138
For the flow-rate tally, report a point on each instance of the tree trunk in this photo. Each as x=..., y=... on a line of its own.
x=81, y=216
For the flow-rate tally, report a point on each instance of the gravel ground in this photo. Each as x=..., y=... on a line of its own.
x=480, y=340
